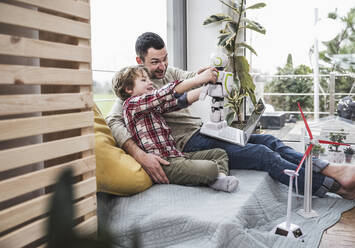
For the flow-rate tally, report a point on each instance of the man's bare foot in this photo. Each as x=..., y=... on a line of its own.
x=347, y=194
x=344, y=174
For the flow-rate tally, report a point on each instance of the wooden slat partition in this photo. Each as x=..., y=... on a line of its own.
x=37, y=229
x=23, y=127
x=21, y=104
x=70, y=7
x=46, y=117
x=30, y=209
x=20, y=46
x=32, y=19
x=30, y=75
x=42, y=178
x=20, y=156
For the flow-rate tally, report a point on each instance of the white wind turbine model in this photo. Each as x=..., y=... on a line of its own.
x=287, y=228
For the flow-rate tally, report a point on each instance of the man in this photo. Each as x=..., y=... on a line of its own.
x=263, y=152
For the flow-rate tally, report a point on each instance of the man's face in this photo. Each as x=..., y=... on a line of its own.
x=157, y=62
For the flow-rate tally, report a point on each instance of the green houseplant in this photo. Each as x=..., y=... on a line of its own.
x=338, y=137
x=349, y=152
x=317, y=150
x=229, y=40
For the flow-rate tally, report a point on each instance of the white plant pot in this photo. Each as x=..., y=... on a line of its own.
x=336, y=157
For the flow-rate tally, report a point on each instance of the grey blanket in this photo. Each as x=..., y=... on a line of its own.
x=179, y=216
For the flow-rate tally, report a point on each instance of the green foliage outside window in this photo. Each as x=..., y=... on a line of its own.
x=343, y=43
x=291, y=85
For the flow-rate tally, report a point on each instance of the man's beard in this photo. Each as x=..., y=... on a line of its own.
x=158, y=72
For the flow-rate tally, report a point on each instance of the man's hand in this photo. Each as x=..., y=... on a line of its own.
x=151, y=164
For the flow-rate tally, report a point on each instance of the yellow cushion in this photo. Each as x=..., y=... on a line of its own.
x=116, y=172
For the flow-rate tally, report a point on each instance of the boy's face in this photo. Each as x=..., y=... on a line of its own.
x=142, y=85
x=156, y=61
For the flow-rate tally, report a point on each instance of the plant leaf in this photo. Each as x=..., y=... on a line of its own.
x=246, y=81
x=225, y=39
x=230, y=117
x=256, y=6
x=255, y=29
x=233, y=27
x=229, y=41
x=230, y=6
x=217, y=18
x=61, y=220
x=242, y=44
x=229, y=105
x=254, y=26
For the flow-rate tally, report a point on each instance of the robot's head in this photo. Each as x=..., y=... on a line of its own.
x=219, y=60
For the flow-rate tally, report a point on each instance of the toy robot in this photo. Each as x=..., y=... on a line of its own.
x=220, y=89
x=217, y=126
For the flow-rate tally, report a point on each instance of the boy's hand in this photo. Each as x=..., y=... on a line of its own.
x=203, y=69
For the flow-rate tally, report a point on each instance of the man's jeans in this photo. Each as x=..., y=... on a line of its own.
x=265, y=153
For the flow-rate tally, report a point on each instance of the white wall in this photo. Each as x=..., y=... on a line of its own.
x=201, y=42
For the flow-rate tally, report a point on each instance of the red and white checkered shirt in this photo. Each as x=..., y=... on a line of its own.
x=144, y=120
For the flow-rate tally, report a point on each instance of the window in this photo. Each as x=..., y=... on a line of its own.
x=115, y=27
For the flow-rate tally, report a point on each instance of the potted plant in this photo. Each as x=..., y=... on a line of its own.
x=334, y=154
x=317, y=150
x=349, y=152
x=229, y=40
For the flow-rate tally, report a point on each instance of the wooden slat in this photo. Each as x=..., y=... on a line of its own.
x=21, y=104
x=17, y=157
x=87, y=227
x=25, y=235
x=85, y=187
x=87, y=130
x=70, y=7
x=19, y=46
x=21, y=213
x=37, y=229
x=30, y=75
x=85, y=206
x=19, y=185
x=24, y=127
x=28, y=210
x=28, y=18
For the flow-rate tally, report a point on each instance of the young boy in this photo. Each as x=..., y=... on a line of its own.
x=143, y=109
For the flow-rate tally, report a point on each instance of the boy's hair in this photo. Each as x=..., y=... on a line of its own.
x=146, y=41
x=124, y=79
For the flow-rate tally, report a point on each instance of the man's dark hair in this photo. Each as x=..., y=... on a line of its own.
x=146, y=41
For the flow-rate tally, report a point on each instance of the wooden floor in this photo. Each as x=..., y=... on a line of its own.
x=342, y=234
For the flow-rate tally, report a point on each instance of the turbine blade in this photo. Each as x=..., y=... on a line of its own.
x=304, y=157
x=332, y=143
x=305, y=122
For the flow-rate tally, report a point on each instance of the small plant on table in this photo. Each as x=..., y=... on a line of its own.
x=349, y=152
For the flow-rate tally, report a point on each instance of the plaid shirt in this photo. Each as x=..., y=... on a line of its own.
x=143, y=119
